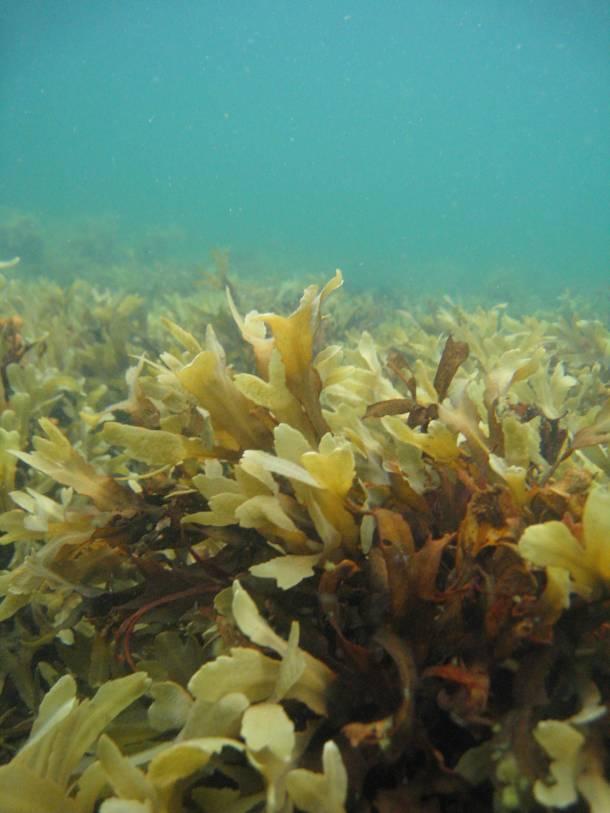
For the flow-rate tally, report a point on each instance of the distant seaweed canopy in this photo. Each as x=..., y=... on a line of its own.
x=5, y=265
x=349, y=580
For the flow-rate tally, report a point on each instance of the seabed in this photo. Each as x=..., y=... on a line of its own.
x=339, y=554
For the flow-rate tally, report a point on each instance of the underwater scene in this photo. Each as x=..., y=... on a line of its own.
x=304, y=406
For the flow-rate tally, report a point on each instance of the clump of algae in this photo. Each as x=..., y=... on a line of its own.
x=325, y=571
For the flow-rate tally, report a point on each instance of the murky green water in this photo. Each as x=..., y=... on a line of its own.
x=443, y=146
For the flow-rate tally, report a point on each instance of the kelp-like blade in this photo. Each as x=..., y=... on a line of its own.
x=56, y=457
x=294, y=338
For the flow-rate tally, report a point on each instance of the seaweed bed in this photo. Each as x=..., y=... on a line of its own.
x=264, y=562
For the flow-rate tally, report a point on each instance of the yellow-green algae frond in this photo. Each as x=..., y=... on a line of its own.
x=323, y=563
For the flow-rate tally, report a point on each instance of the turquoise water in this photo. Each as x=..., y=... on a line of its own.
x=439, y=145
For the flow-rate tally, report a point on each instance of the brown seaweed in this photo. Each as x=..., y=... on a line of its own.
x=347, y=577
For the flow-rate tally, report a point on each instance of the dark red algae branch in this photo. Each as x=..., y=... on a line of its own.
x=127, y=627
